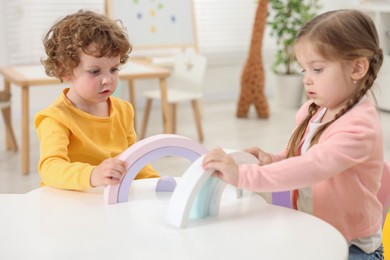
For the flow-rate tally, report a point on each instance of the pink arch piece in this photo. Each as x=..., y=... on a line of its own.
x=146, y=151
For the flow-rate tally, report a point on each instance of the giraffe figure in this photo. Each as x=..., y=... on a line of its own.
x=252, y=77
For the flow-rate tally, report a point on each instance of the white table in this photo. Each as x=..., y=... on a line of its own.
x=55, y=224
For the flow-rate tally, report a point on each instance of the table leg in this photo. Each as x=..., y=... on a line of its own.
x=11, y=143
x=132, y=100
x=7, y=85
x=167, y=120
x=25, y=131
x=10, y=139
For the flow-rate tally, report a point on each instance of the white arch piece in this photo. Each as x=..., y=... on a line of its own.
x=197, y=188
x=144, y=152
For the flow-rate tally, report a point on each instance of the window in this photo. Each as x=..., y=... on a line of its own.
x=223, y=27
x=27, y=21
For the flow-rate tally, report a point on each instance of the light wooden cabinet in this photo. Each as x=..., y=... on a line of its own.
x=380, y=13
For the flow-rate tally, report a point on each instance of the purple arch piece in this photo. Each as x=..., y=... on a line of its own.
x=146, y=151
x=166, y=184
x=124, y=187
x=281, y=199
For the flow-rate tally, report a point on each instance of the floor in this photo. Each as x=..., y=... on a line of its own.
x=221, y=128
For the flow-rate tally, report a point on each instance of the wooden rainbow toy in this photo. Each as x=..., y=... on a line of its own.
x=198, y=193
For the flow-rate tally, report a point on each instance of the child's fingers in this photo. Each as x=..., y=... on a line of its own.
x=215, y=155
x=108, y=181
x=118, y=165
x=117, y=171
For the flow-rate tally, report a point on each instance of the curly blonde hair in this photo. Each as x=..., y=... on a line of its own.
x=78, y=31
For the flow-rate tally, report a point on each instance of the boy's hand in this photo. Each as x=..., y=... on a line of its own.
x=109, y=172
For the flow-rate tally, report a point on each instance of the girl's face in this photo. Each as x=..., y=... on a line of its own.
x=93, y=80
x=327, y=82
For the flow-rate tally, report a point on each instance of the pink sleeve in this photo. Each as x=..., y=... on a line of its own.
x=348, y=143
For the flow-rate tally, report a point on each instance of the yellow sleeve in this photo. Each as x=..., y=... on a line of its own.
x=147, y=172
x=55, y=167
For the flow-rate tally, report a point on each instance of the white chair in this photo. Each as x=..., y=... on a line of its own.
x=5, y=107
x=184, y=84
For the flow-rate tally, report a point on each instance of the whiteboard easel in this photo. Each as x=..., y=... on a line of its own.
x=156, y=25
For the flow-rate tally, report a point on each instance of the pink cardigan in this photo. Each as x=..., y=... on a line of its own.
x=344, y=170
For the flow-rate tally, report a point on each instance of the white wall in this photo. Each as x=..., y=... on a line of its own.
x=222, y=82
x=2, y=38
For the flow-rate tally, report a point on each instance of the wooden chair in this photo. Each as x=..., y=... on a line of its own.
x=5, y=106
x=185, y=84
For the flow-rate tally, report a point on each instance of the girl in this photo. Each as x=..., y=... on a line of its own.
x=334, y=159
x=83, y=131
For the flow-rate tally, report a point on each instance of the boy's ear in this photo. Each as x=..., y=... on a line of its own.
x=65, y=78
x=359, y=68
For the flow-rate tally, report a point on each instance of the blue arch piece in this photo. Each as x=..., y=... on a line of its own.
x=205, y=203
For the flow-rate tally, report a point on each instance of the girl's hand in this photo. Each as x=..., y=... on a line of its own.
x=109, y=172
x=263, y=157
x=224, y=165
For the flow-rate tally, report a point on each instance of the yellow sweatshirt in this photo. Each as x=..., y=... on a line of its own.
x=73, y=142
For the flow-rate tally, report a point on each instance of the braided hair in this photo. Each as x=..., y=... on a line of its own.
x=340, y=35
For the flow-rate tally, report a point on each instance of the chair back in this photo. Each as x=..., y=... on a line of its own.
x=384, y=191
x=188, y=72
x=5, y=99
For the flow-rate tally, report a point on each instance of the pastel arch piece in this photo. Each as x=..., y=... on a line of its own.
x=146, y=151
x=207, y=201
x=166, y=184
x=282, y=198
x=198, y=193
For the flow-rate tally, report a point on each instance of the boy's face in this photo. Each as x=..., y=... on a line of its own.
x=94, y=79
